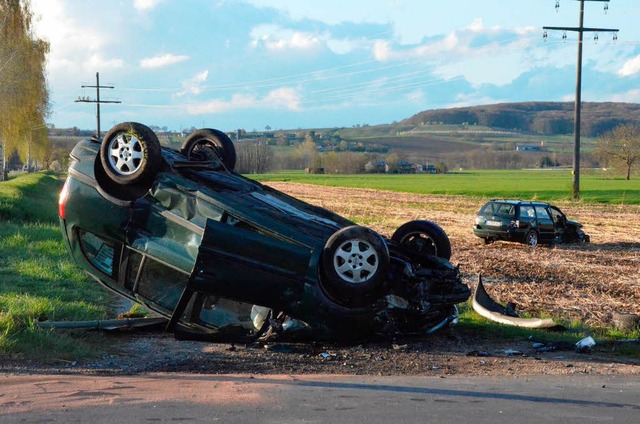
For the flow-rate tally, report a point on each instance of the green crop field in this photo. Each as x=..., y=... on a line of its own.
x=595, y=186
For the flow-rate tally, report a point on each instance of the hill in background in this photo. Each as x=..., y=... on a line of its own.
x=498, y=136
x=546, y=118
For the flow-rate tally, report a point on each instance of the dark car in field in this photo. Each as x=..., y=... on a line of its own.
x=526, y=222
x=220, y=255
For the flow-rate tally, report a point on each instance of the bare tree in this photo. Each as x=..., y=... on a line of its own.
x=620, y=148
x=253, y=158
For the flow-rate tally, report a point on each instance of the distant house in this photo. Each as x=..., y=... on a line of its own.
x=528, y=148
x=430, y=169
x=377, y=167
x=405, y=167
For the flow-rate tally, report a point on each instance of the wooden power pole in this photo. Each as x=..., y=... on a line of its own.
x=97, y=101
x=580, y=29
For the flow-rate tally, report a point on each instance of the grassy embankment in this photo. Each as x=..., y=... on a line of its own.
x=595, y=186
x=37, y=278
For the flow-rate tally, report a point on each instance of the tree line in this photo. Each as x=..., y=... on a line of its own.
x=24, y=94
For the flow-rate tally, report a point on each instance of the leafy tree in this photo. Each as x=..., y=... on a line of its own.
x=307, y=152
x=620, y=148
x=441, y=168
x=24, y=94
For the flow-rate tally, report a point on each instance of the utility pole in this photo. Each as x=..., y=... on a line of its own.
x=580, y=29
x=97, y=101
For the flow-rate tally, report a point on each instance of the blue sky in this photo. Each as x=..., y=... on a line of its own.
x=290, y=64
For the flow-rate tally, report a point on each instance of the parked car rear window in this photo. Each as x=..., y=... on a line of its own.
x=499, y=209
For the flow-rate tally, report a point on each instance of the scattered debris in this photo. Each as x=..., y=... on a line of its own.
x=585, y=345
x=488, y=308
x=108, y=325
x=279, y=348
x=327, y=356
x=478, y=353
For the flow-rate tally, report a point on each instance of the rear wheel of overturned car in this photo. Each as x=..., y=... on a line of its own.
x=531, y=239
x=355, y=260
x=130, y=154
x=208, y=144
x=423, y=237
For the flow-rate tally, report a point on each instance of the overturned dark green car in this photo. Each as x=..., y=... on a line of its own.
x=224, y=257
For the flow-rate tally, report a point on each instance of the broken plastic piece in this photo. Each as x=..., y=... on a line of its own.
x=585, y=344
x=488, y=308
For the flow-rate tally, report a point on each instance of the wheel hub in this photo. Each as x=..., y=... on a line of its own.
x=355, y=261
x=125, y=154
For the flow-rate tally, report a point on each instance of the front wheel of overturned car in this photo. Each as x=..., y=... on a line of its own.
x=355, y=260
x=130, y=154
x=531, y=239
x=208, y=144
x=423, y=237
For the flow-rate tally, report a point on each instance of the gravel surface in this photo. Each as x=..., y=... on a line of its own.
x=445, y=354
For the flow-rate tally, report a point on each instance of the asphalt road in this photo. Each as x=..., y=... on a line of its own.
x=309, y=399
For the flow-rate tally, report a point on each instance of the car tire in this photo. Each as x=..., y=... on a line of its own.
x=531, y=238
x=210, y=144
x=354, y=265
x=130, y=154
x=423, y=237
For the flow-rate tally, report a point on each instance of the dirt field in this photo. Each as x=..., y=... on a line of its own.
x=584, y=282
x=573, y=282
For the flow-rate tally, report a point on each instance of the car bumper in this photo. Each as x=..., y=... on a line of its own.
x=508, y=234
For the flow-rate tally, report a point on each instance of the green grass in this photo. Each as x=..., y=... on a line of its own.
x=608, y=340
x=595, y=186
x=38, y=281
x=30, y=197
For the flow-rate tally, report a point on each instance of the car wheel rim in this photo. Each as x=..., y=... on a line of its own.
x=420, y=243
x=125, y=154
x=533, y=240
x=356, y=261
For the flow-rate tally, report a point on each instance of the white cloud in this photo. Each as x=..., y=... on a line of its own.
x=143, y=5
x=194, y=85
x=276, y=38
x=382, y=51
x=479, y=54
x=76, y=46
x=162, y=61
x=476, y=25
x=631, y=96
x=416, y=96
x=630, y=67
x=96, y=61
x=282, y=98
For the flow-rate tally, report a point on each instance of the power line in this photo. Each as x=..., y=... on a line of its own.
x=580, y=29
x=97, y=100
